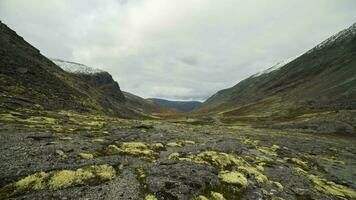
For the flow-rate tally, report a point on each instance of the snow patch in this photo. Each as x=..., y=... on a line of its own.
x=75, y=68
x=349, y=32
x=275, y=67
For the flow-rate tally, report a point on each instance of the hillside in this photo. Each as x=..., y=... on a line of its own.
x=183, y=106
x=319, y=86
x=30, y=80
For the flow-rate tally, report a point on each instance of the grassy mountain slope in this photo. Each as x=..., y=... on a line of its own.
x=30, y=80
x=315, y=88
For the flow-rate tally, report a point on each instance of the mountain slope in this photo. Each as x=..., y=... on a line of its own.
x=106, y=84
x=321, y=80
x=184, y=106
x=30, y=80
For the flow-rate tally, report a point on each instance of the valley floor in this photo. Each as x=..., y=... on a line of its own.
x=71, y=156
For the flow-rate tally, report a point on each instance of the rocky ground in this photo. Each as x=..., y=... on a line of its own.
x=63, y=155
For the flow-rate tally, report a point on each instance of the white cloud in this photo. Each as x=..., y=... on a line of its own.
x=177, y=49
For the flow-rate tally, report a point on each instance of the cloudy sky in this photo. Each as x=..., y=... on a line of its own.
x=177, y=49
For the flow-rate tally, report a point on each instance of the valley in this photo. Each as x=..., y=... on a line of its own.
x=68, y=131
x=55, y=155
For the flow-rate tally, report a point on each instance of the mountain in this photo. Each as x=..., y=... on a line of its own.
x=184, y=106
x=104, y=81
x=317, y=90
x=30, y=80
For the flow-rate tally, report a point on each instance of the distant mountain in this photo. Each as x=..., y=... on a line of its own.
x=318, y=85
x=184, y=106
x=30, y=80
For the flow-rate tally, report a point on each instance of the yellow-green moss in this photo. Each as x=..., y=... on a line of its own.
x=223, y=162
x=58, y=179
x=61, y=154
x=327, y=187
x=98, y=140
x=138, y=149
x=86, y=155
x=217, y=196
x=331, y=188
x=277, y=198
x=201, y=197
x=150, y=197
x=180, y=143
x=249, y=170
x=278, y=185
x=301, y=163
x=234, y=178
x=140, y=172
x=66, y=138
x=174, y=156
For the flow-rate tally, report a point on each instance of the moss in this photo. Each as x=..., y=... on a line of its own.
x=61, y=154
x=112, y=149
x=278, y=185
x=218, y=159
x=327, y=187
x=86, y=155
x=271, y=151
x=217, y=196
x=66, y=178
x=138, y=149
x=301, y=163
x=157, y=147
x=259, y=177
x=223, y=162
x=150, y=197
x=277, y=198
x=141, y=174
x=233, y=177
x=58, y=179
x=331, y=188
x=174, y=156
x=180, y=143
x=98, y=140
x=201, y=197
x=66, y=138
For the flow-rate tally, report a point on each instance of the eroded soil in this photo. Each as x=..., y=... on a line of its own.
x=69, y=156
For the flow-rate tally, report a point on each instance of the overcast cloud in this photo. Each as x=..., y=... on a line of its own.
x=177, y=49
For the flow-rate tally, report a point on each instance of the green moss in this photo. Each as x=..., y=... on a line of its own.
x=259, y=177
x=233, y=177
x=217, y=196
x=141, y=174
x=138, y=149
x=277, y=198
x=270, y=151
x=278, y=185
x=86, y=155
x=301, y=163
x=179, y=143
x=150, y=197
x=331, y=188
x=327, y=187
x=66, y=138
x=224, y=162
x=61, y=154
x=201, y=197
x=98, y=140
x=58, y=179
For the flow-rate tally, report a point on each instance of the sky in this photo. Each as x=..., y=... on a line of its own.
x=177, y=49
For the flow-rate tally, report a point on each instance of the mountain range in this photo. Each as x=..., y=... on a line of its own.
x=316, y=90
